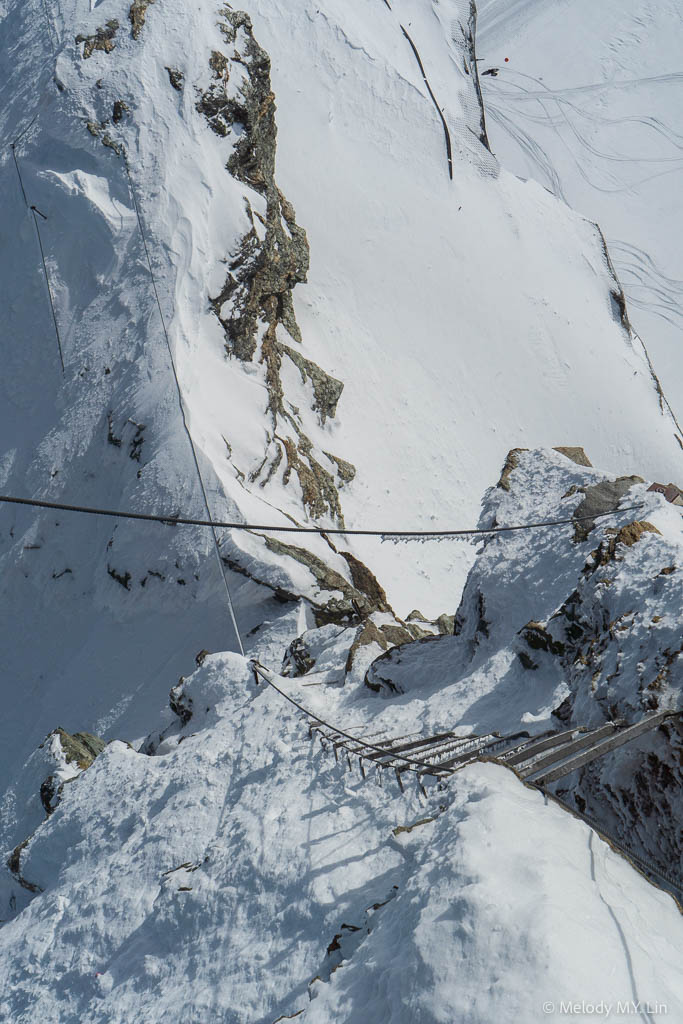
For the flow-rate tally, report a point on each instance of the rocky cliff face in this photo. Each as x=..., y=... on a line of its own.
x=254, y=305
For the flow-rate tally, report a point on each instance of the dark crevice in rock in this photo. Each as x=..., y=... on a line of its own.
x=122, y=578
x=14, y=864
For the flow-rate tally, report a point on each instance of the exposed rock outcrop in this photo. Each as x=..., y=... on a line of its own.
x=576, y=455
x=511, y=462
x=600, y=498
x=102, y=39
x=255, y=306
x=137, y=15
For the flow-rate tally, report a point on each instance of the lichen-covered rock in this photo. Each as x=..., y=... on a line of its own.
x=81, y=748
x=137, y=15
x=626, y=535
x=255, y=306
x=176, y=78
x=511, y=462
x=102, y=39
x=356, y=602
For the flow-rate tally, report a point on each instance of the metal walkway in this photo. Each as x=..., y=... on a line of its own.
x=538, y=760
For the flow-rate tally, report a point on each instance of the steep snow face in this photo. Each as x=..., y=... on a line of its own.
x=461, y=316
x=587, y=104
x=240, y=874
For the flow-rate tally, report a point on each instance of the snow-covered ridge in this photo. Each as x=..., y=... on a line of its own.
x=461, y=316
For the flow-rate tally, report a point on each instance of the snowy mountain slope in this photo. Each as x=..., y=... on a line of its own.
x=460, y=315
x=588, y=105
x=228, y=876
x=385, y=263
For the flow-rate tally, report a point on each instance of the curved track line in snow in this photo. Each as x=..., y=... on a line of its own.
x=449, y=148
x=559, y=98
x=643, y=1014
x=533, y=150
x=661, y=291
x=676, y=76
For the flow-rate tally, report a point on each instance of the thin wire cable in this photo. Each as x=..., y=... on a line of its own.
x=16, y=164
x=40, y=245
x=210, y=523
x=49, y=29
x=177, y=520
x=49, y=290
x=431, y=769
x=422, y=768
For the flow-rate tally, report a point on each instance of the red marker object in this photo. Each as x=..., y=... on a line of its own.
x=507, y=60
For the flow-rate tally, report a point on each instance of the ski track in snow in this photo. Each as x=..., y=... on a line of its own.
x=592, y=142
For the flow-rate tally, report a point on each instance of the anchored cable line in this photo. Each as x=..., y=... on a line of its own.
x=47, y=281
x=177, y=520
x=49, y=29
x=411, y=764
x=361, y=747
x=35, y=211
x=16, y=164
x=209, y=521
